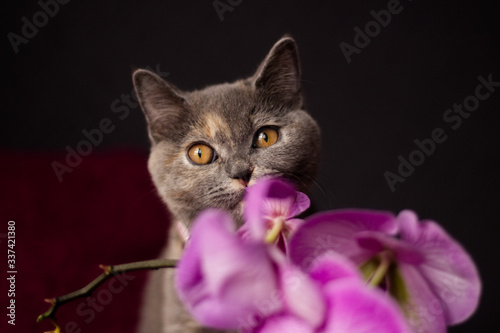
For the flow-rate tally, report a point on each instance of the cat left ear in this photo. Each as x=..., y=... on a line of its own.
x=278, y=76
x=162, y=103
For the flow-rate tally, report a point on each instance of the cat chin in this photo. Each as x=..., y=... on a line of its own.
x=237, y=214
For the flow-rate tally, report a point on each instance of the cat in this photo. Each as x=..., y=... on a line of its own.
x=208, y=145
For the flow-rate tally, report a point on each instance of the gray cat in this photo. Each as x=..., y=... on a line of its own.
x=209, y=145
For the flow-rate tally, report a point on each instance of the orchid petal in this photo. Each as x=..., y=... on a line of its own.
x=448, y=268
x=422, y=308
x=333, y=266
x=220, y=279
x=376, y=242
x=302, y=296
x=355, y=308
x=335, y=231
x=300, y=205
x=292, y=225
x=284, y=323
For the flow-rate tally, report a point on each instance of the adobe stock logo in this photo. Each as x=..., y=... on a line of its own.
x=453, y=117
x=94, y=137
x=222, y=6
x=29, y=30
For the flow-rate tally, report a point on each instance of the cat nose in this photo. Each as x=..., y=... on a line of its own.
x=242, y=172
x=244, y=177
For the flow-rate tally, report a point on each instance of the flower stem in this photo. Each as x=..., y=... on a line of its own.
x=275, y=230
x=381, y=271
x=109, y=272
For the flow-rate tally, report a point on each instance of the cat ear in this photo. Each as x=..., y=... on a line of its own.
x=162, y=103
x=278, y=76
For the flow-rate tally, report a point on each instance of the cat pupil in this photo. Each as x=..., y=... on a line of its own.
x=198, y=152
x=264, y=136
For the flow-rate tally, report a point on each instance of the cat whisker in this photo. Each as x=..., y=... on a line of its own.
x=214, y=191
x=325, y=192
x=305, y=180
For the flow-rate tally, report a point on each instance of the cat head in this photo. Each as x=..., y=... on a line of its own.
x=209, y=144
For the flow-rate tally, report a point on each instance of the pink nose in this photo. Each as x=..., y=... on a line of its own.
x=244, y=181
x=244, y=176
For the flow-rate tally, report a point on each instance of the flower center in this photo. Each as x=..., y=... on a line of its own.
x=382, y=271
x=276, y=227
x=378, y=276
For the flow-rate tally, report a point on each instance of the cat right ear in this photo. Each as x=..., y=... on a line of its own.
x=278, y=76
x=161, y=102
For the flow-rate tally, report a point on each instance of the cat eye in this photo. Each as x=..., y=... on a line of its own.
x=201, y=154
x=265, y=137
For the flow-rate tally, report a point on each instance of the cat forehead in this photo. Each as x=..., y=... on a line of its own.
x=223, y=98
x=223, y=109
x=212, y=124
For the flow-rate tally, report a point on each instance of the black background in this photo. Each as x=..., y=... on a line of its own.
x=394, y=91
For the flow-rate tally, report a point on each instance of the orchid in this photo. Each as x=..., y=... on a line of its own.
x=221, y=278
x=430, y=275
x=347, y=305
x=341, y=271
x=230, y=283
x=270, y=207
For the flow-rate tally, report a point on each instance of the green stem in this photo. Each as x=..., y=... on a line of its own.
x=109, y=272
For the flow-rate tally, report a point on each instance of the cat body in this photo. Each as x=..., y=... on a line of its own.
x=209, y=145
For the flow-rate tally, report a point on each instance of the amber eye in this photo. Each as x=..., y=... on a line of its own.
x=201, y=154
x=265, y=137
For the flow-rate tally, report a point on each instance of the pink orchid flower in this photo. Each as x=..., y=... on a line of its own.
x=430, y=275
x=347, y=304
x=230, y=279
x=271, y=206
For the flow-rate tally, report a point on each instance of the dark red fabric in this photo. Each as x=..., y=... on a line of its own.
x=105, y=212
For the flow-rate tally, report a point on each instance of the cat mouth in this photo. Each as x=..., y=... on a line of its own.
x=256, y=179
x=235, y=206
x=237, y=201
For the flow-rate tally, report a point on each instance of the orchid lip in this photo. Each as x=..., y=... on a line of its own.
x=377, y=243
